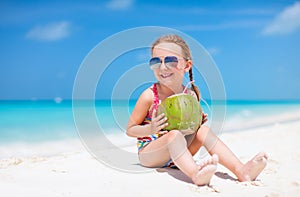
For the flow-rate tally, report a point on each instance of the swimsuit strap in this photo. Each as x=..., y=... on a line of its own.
x=156, y=99
x=155, y=103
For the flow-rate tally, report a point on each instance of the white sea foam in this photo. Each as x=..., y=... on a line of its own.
x=40, y=149
x=24, y=149
x=247, y=119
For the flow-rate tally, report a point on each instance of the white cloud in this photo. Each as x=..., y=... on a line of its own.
x=120, y=4
x=286, y=22
x=50, y=32
x=213, y=50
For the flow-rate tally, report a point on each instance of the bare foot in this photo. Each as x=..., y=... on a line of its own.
x=253, y=168
x=206, y=170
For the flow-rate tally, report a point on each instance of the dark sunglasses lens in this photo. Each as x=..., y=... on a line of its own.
x=171, y=61
x=154, y=62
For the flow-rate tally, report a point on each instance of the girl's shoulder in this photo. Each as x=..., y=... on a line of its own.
x=147, y=95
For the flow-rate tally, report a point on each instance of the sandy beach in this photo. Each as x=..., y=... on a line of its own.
x=65, y=168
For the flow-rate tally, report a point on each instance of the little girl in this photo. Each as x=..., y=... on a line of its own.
x=171, y=59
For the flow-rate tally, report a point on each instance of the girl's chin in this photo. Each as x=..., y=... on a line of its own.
x=166, y=82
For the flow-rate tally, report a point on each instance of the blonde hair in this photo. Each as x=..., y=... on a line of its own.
x=172, y=38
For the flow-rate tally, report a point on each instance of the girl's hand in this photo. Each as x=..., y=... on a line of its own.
x=204, y=118
x=158, y=123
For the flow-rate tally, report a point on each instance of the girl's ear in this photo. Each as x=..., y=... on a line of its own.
x=188, y=65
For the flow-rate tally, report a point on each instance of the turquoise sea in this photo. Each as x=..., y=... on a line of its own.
x=36, y=121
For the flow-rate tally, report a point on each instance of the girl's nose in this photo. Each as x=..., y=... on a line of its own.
x=163, y=66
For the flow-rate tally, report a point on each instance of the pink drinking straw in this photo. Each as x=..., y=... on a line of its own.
x=186, y=86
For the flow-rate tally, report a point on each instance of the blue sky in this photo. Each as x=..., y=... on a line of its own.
x=255, y=44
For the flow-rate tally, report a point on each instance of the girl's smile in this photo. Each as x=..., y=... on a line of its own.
x=166, y=75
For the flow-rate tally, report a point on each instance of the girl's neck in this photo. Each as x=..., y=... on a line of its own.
x=165, y=91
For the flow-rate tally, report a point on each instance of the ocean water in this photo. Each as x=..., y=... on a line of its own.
x=46, y=120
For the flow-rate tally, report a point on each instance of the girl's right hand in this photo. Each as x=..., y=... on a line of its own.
x=158, y=123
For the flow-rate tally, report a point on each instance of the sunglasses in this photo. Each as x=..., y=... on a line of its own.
x=169, y=61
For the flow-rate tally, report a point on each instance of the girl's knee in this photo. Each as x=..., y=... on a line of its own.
x=205, y=128
x=202, y=133
x=207, y=137
x=175, y=135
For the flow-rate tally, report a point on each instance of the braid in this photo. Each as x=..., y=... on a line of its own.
x=194, y=87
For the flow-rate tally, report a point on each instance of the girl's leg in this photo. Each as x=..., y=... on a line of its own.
x=173, y=145
x=244, y=172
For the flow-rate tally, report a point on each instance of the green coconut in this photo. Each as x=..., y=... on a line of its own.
x=183, y=112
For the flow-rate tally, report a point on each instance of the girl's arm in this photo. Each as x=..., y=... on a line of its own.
x=140, y=111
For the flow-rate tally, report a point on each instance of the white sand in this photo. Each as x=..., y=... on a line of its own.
x=67, y=169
